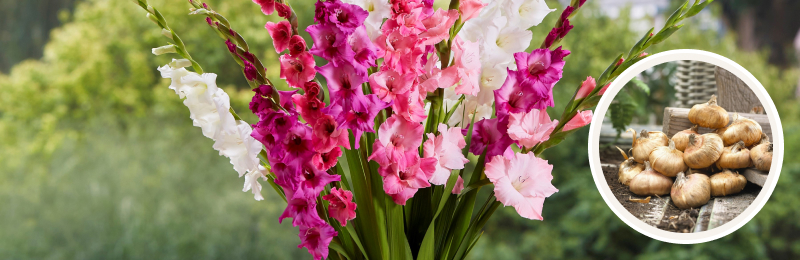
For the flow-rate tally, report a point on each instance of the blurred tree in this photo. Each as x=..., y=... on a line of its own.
x=26, y=27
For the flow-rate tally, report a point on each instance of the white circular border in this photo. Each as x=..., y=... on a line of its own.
x=727, y=228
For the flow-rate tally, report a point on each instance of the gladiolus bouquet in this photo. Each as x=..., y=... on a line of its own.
x=369, y=150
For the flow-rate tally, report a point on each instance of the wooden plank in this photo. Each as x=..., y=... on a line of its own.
x=677, y=119
x=703, y=217
x=727, y=208
x=655, y=215
x=734, y=94
x=755, y=176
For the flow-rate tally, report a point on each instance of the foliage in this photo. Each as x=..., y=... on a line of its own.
x=99, y=160
x=643, y=97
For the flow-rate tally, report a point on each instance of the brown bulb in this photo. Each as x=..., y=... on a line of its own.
x=681, y=139
x=709, y=114
x=703, y=150
x=736, y=156
x=726, y=183
x=628, y=168
x=645, y=144
x=761, y=154
x=691, y=191
x=649, y=182
x=667, y=160
x=742, y=129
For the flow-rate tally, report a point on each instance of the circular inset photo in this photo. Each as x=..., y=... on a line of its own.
x=689, y=149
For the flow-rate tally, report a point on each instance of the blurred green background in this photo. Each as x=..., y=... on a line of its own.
x=99, y=160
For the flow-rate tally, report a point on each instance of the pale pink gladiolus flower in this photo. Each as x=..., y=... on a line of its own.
x=530, y=128
x=522, y=182
x=586, y=88
x=459, y=186
x=446, y=148
x=580, y=119
x=467, y=66
x=470, y=9
x=398, y=138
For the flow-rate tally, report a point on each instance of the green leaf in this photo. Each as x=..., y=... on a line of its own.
x=621, y=112
x=639, y=83
x=398, y=244
x=337, y=246
x=426, y=250
x=473, y=186
x=697, y=8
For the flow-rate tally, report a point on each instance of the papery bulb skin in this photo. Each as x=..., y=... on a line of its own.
x=691, y=191
x=681, y=138
x=628, y=169
x=650, y=183
x=761, y=154
x=742, y=129
x=646, y=143
x=703, y=150
x=726, y=183
x=709, y=114
x=667, y=160
x=736, y=156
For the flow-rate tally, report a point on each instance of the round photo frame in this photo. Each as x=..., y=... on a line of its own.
x=708, y=235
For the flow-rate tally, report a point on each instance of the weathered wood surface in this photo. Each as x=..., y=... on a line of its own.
x=734, y=94
x=727, y=208
x=755, y=176
x=677, y=119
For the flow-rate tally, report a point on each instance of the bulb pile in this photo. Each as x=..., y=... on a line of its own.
x=691, y=157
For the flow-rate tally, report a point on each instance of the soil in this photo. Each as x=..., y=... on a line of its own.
x=663, y=214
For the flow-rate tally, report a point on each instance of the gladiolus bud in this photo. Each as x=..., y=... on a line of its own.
x=586, y=88
x=580, y=119
x=603, y=90
x=166, y=33
x=165, y=49
x=180, y=63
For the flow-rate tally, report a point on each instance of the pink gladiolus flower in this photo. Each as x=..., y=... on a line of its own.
x=530, y=128
x=325, y=161
x=330, y=43
x=446, y=149
x=316, y=239
x=586, y=88
x=470, y=9
x=468, y=65
x=389, y=84
x=297, y=45
x=341, y=207
x=297, y=70
x=309, y=107
x=303, y=211
x=459, y=186
x=267, y=6
x=398, y=140
x=438, y=26
x=401, y=183
x=522, y=182
x=281, y=34
x=406, y=24
x=580, y=119
x=344, y=83
x=433, y=78
x=328, y=134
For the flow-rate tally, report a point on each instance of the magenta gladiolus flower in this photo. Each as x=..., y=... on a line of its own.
x=297, y=70
x=361, y=117
x=389, y=84
x=365, y=52
x=522, y=182
x=260, y=103
x=267, y=6
x=313, y=181
x=328, y=134
x=295, y=146
x=446, y=149
x=541, y=65
x=344, y=16
x=401, y=183
x=316, y=239
x=515, y=97
x=398, y=140
x=344, y=83
x=303, y=211
x=490, y=134
x=341, y=207
x=530, y=128
x=324, y=161
x=586, y=88
x=470, y=9
x=330, y=43
x=281, y=34
x=580, y=119
x=283, y=11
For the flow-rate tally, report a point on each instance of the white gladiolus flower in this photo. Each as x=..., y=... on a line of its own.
x=526, y=13
x=378, y=10
x=251, y=182
x=500, y=43
x=240, y=147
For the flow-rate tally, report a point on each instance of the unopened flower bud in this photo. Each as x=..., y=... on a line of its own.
x=150, y=9
x=166, y=33
x=153, y=18
x=180, y=63
x=165, y=49
x=586, y=88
